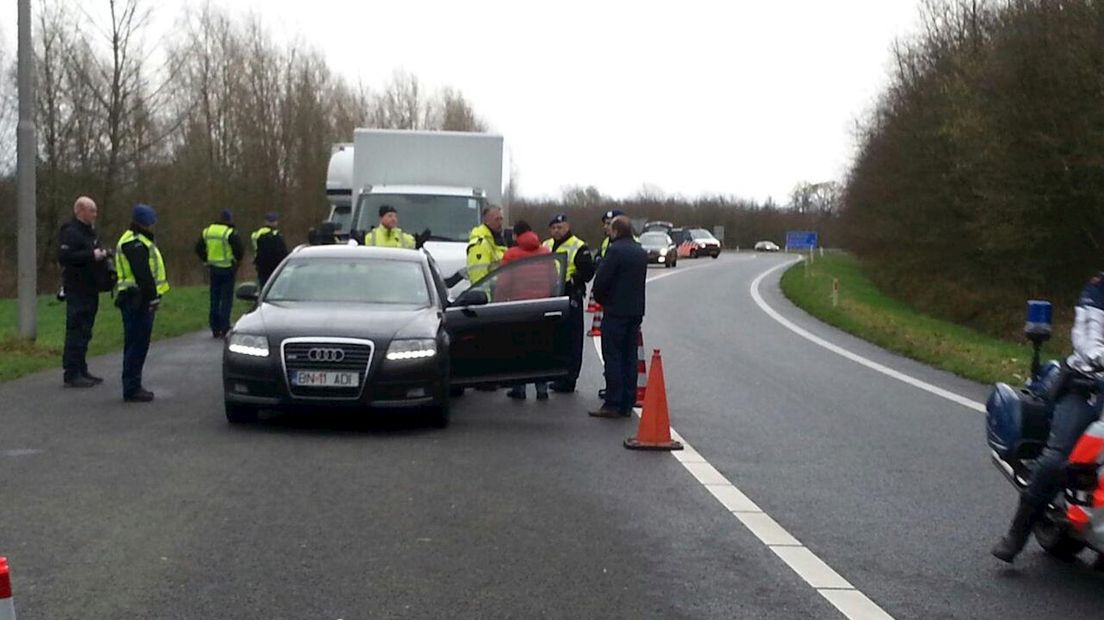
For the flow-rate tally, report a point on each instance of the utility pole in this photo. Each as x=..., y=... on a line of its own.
x=26, y=149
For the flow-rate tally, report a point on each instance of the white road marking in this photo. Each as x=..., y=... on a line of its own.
x=850, y=602
x=854, y=357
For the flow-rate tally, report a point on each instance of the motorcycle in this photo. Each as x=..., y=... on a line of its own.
x=1018, y=424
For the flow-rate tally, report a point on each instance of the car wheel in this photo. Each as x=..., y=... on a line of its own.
x=716, y=256
x=237, y=413
x=1055, y=540
x=440, y=413
x=455, y=391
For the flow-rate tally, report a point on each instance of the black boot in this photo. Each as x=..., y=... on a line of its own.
x=1013, y=542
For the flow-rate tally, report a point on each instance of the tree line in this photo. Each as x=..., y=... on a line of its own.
x=217, y=115
x=810, y=207
x=979, y=181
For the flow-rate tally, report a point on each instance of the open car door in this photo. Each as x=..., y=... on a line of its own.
x=511, y=326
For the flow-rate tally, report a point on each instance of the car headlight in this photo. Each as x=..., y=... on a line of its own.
x=663, y=251
x=248, y=344
x=415, y=349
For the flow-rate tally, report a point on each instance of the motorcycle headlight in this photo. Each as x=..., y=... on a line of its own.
x=248, y=344
x=414, y=349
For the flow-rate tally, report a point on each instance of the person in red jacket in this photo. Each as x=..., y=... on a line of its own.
x=526, y=282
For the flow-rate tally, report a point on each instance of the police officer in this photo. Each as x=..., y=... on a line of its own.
x=607, y=217
x=84, y=275
x=220, y=247
x=387, y=233
x=579, y=270
x=485, y=244
x=142, y=282
x=1076, y=408
x=269, y=248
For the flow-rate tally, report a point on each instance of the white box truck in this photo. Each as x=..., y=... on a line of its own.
x=438, y=181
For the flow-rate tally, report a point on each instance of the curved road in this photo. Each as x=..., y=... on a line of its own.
x=526, y=509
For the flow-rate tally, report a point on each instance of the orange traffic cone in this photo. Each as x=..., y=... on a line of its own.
x=596, y=324
x=654, y=432
x=7, y=605
x=641, y=371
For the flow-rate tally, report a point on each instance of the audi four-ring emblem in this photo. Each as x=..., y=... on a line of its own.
x=319, y=354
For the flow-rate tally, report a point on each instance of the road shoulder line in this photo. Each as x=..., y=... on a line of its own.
x=855, y=357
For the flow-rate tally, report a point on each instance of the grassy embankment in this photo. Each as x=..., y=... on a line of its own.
x=183, y=310
x=866, y=312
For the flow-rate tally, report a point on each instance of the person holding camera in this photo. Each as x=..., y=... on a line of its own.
x=86, y=272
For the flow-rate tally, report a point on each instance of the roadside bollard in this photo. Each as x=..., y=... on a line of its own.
x=835, y=292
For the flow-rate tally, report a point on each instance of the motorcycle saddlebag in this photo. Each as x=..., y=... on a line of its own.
x=1018, y=422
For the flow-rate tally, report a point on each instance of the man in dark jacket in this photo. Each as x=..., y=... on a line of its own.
x=268, y=248
x=84, y=275
x=220, y=248
x=142, y=282
x=619, y=287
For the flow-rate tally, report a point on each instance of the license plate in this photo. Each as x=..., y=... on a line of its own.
x=320, y=378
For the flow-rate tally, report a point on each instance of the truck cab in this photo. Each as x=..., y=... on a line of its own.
x=447, y=214
x=438, y=182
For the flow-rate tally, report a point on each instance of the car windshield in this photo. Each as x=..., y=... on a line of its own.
x=703, y=235
x=341, y=218
x=351, y=280
x=448, y=218
x=654, y=240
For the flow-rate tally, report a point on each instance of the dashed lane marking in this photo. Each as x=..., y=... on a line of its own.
x=850, y=602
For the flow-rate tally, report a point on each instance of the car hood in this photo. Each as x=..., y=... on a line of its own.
x=373, y=321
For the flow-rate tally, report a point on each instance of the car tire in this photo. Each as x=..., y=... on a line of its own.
x=1056, y=541
x=440, y=413
x=237, y=413
x=455, y=391
x=716, y=256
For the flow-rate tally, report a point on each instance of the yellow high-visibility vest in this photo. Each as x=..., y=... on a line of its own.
x=570, y=247
x=156, y=264
x=483, y=253
x=219, y=252
x=257, y=234
x=381, y=237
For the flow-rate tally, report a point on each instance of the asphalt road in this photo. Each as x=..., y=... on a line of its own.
x=113, y=510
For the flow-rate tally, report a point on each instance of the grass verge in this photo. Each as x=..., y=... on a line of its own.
x=183, y=310
x=866, y=312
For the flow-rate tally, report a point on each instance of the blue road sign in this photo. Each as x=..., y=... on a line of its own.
x=801, y=240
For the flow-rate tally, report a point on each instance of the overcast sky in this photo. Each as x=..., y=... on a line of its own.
x=742, y=97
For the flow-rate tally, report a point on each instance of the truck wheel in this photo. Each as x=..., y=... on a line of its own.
x=1055, y=540
x=237, y=413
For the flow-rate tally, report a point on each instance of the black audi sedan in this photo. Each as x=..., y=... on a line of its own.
x=361, y=328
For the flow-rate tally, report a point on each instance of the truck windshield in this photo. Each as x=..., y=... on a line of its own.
x=341, y=217
x=448, y=218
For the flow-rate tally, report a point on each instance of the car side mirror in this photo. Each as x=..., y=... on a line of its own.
x=472, y=297
x=508, y=237
x=248, y=291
